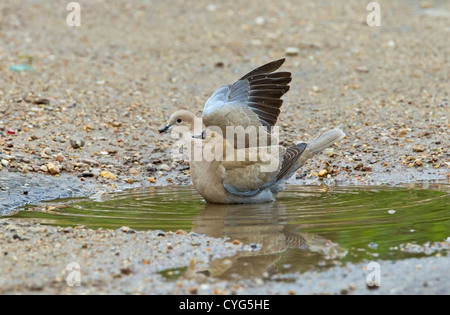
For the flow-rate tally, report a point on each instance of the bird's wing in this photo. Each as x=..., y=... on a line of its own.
x=251, y=170
x=290, y=159
x=255, y=99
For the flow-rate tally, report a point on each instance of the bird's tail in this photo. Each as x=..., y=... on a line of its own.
x=322, y=142
x=319, y=144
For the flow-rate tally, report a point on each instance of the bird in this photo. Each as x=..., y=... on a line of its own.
x=225, y=174
x=252, y=101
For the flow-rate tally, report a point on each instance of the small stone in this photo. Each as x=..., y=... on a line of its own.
x=151, y=168
x=330, y=152
x=256, y=42
x=48, y=151
x=152, y=180
x=76, y=144
x=292, y=51
x=259, y=20
x=391, y=44
x=193, y=290
x=366, y=169
x=372, y=245
x=392, y=211
x=211, y=7
x=164, y=167
x=358, y=166
x=134, y=171
x=236, y=242
x=90, y=162
x=323, y=173
x=362, y=69
x=11, y=131
x=60, y=139
x=53, y=169
x=108, y=175
x=130, y=181
x=5, y=163
x=418, y=162
x=44, y=168
x=418, y=149
x=59, y=158
x=126, y=229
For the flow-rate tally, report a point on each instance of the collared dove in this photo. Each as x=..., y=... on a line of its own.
x=252, y=101
x=247, y=175
x=250, y=174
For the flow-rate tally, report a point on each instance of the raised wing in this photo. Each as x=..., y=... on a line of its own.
x=256, y=95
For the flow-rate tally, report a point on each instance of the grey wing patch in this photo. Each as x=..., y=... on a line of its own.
x=289, y=159
x=262, y=90
x=251, y=193
x=232, y=190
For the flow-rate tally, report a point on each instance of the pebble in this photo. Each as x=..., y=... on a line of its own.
x=53, y=169
x=108, y=175
x=362, y=69
x=372, y=245
x=59, y=158
x=5, y=163
x=134, y=171
x=44, y=169
x=292, y=51
x=392, y=211
x=323, y=173
x=164, y=167
x=60, y=139
x=391, y=44
x=260, y=20
x=76, y=144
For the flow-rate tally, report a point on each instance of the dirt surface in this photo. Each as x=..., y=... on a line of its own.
x=113, y=81
x=131, y=262
x=85, y=115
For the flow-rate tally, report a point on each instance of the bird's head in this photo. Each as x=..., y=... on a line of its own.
x=181, y=118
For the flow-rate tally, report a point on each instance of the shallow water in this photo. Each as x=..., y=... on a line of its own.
x=307, y=228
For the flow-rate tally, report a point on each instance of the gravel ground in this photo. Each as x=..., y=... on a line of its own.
x=85, y=118
x=35, y=259
x=112, y=82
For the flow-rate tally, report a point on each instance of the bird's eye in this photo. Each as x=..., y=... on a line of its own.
x=179, y=121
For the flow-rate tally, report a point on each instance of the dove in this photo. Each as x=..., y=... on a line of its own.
x=224, y=173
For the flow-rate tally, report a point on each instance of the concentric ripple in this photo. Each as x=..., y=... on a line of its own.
x=307, y=227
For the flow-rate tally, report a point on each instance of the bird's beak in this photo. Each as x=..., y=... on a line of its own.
x=166, y=128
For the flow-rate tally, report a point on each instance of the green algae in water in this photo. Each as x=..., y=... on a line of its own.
x=306, y=228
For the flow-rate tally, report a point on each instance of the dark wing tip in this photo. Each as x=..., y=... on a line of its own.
x=266, y=68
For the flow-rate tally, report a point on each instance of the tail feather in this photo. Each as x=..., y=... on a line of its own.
x=322, y=142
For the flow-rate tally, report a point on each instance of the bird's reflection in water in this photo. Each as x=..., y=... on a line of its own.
x=266, y=225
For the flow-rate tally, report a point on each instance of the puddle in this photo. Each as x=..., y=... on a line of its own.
x=308, y=228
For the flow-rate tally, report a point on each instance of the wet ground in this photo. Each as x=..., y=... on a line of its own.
x=80, y=109
x=310, y=232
